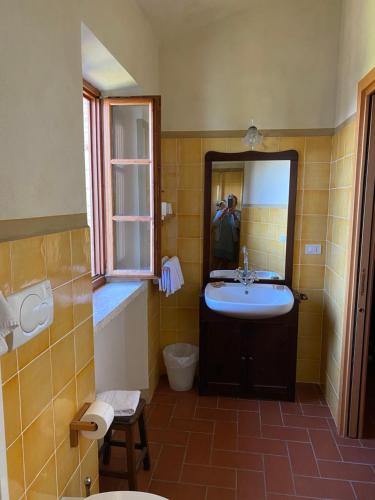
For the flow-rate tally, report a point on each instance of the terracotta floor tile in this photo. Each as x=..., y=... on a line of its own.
x=344, y=470
x=278, y=475
x=216, y=414
x=199, y=449
x=220, y=494
x=364, y=491
x=169, y=465
x=250, y=485
x=160, y=416
x=358, y=455
x=164, y=399
x=309, y=393
x=286, y=433
x=210, y=476
x=304, y=421
x=192, y=425
x=302, y=459
x=323, y=488
x=262, y=445
x=324, y=445
x=207, y=401
x=178, y=491
x=290, y=408
x=237, y=460
x=239, y=404
x=225, y=436
x=367, y=443
x=248, y=423
x=278, y=496
x=168, y=436
x=270, y=413
x=313, y=410
x=185, y=408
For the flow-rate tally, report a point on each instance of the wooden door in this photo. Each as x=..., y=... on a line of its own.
x=363, y=306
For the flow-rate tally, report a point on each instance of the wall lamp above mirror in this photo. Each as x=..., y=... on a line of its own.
x=249, y=209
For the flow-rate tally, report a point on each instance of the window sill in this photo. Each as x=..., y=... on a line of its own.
x=110, y=299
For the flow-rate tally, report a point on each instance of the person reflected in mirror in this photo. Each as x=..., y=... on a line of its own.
x=226, y=226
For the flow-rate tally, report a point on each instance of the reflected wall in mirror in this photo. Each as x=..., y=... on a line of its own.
x=250, y=205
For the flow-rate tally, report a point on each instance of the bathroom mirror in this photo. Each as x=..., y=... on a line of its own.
x=250, y=200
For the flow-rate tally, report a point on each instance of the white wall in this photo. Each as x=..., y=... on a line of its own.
x=121, y=348
x=275, y=63
x=357, y=53
x=41, y=139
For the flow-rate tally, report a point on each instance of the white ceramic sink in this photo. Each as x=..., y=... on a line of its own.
x=256, y=301
x=126, y=495
x=231, y=274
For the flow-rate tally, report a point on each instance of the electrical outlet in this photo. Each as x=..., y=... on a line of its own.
x=313, y=249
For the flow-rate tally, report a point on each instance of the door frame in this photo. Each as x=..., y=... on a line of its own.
x=351, y=398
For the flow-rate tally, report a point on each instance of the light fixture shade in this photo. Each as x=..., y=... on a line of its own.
x=253, y=136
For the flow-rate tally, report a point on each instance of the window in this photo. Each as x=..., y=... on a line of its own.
x=94, y=181
x=123, y=185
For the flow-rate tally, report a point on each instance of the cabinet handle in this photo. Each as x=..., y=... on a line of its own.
x=251, y=358
x=243, y=358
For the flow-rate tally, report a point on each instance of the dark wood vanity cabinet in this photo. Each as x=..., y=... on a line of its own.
x=248, y=358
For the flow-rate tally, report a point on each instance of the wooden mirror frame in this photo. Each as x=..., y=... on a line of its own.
x=290, y=155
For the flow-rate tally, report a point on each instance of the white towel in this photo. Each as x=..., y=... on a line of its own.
x=172, y=278
x=8, y=322
x=124, y=402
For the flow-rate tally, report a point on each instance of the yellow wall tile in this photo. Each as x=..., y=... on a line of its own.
x=296, y=143
x=58, y=258
x=189, y=249
x=12, y=415
x=318, y=149
x=29, y=351
x=169, y=151
x=15, y=470
x=38, y=443
x=62, y=354
x=64, y=409
x=316, y=176
x=189, y=202
x=313, y=227
x=86, y=384
x=35, y=388
x=8, y=365
x=189, y=151
x=73, y=488
x=214, y=144
x=5, y=269
x=189, y=226
x=312, y=277
x=44, y=420
x=315, y=202
x=81, y=252
x=84, y=344
x=45, y=485
x=190, y=177
x=89, y=465
x=63, y=312
x=28, y=262
x=82, y=299
x=67, y=460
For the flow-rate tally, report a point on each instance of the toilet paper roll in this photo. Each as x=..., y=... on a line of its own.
x=102, y=415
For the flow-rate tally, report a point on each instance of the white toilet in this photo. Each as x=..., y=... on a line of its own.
x=120, y=495
x=126, y=495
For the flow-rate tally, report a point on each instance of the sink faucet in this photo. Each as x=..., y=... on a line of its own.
x=245, y=276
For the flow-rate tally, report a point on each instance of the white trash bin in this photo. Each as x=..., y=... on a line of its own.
x=181, y=362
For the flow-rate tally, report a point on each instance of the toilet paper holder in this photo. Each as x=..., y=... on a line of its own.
x=76, y=425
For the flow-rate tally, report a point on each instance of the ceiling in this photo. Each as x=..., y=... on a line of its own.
x=172, y=18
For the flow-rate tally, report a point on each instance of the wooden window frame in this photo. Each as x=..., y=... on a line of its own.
x=155, y=186
x=97, y=184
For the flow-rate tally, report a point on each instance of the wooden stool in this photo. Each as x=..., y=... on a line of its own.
x=127, y=424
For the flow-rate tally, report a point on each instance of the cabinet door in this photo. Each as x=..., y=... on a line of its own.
x=224, y=368
x=270, y=361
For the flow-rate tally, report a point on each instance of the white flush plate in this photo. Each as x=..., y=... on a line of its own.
x=33, y=307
